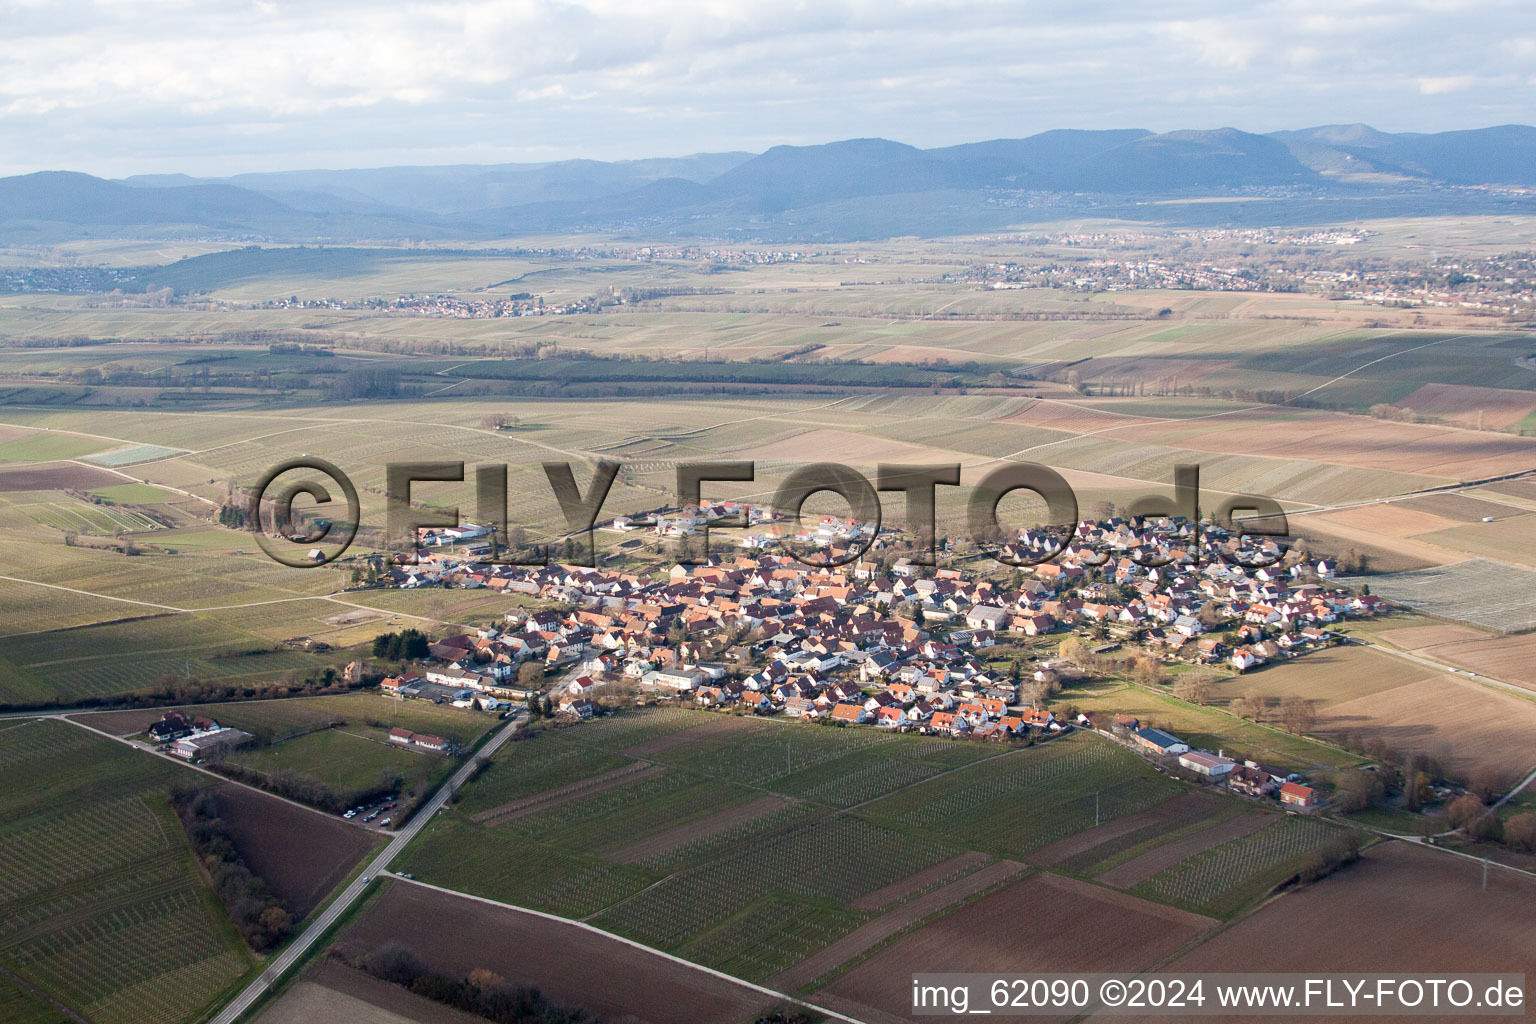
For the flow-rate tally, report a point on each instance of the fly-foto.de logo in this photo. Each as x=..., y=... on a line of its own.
x=329, y=522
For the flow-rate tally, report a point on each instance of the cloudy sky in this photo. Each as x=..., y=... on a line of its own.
x=116, y=87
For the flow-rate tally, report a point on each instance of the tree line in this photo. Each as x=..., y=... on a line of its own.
x=482, y=992
x=258, y=913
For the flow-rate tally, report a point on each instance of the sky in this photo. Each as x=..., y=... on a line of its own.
x=216, y=87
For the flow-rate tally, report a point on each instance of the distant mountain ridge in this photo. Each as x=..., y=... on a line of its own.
x=844, y=189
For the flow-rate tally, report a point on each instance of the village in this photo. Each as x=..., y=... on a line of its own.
x=879, y=642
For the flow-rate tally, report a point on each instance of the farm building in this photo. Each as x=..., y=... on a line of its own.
x=200, y=744
x=1159, y=742
x=172, y=727
x=1211, y=765
x=407, y=738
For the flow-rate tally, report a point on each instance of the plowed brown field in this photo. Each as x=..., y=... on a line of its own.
x=573, y=966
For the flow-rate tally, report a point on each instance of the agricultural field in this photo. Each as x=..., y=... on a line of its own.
x=69, y=514
x=1360, y=692
x=103, y=907
x=1510, y=658
x=1477, y=591
x=1210, y=728
x=1041, y=923
x=341, y=760
x=1094, y=851
x=1014, y=804
x=1450, y=924
x=46, y=447
x=331, y=991
x=1327, y=677
x=691, y=832
x=49, y=668
x=1221, y=880
x=301, y=854
x=558, y=958
x=1462, y=723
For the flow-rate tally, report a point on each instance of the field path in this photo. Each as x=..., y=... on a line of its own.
x=1440, y=666
x=1514, y=792
x=334, y=597
x=781, y=996
x=138, y=479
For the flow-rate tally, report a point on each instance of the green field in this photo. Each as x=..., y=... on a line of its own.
x=344, y=761
x=69, y=514
x=343, y=741
x=1013, y=804
x=135, y=494
x=48, y=447
x=369, y=714
x=1212, y=728
x=758, y=895
x=100, y=902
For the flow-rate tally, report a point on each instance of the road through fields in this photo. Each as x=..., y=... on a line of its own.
x=300, y=947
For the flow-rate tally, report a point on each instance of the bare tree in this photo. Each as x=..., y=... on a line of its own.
x=1483, y=783
x=1150, y=671
x=1468, y=814
x=1520, y=832
x=1194, y=687
x=1298, y=714
x=1252, y=704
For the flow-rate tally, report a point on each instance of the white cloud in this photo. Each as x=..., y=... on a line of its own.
x=436, y=80
x=1446, y=83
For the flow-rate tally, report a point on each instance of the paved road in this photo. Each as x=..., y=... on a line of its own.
x=1507, y=797
x=297, y=949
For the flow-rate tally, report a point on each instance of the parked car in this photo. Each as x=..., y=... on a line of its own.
x=385, y=822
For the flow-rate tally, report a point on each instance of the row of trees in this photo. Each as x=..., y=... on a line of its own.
x=482, y=992
x=1296, y=714
x=306, y=789
x=258, y=913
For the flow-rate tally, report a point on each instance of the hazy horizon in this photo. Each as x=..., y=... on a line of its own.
x=119, y=89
